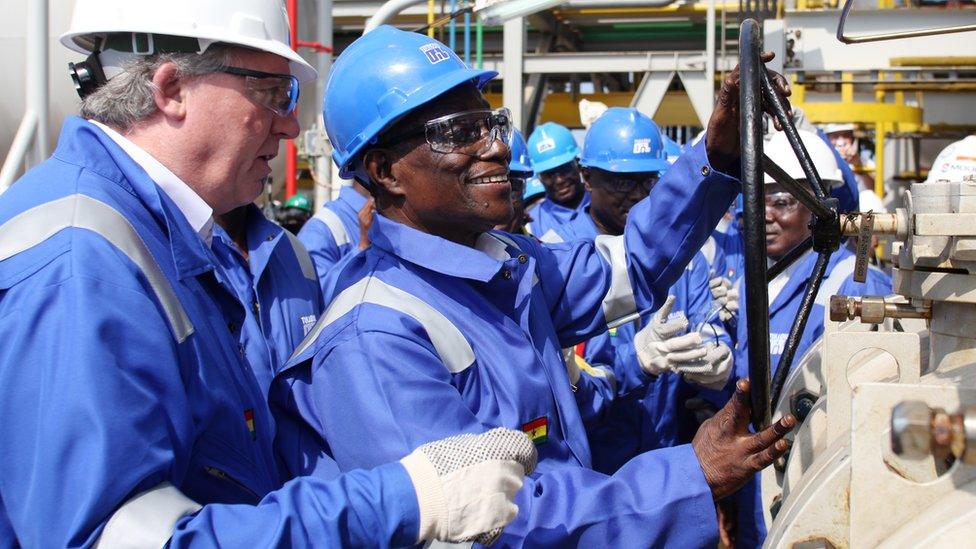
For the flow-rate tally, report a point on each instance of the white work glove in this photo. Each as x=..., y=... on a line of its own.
x=725, y=297
x=665, y=342
x=710, y=371
x=466, y=484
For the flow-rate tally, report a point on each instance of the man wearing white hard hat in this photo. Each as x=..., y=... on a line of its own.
x=786, y=227
x=132, y=415
x=956, y=162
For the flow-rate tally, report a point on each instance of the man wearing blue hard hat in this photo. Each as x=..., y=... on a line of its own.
x=554, y=155
x=132, y=414
x=444, y=326
x=657, y=358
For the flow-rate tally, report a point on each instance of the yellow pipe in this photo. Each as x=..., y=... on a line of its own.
x=879, y=141
x=847, y=88
x=430, y=18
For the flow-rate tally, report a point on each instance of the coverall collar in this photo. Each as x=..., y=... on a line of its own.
x=263, y=236
x=85, y=145
x=435, y=253
x=349, y=195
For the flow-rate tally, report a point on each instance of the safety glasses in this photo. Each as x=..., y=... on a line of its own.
x=469, y=132
x=782, y=202
x=277, y=92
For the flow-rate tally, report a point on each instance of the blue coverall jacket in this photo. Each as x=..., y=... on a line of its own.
x=279, y=288
x=333, y=232
x=649, y=412
x=548, y=216
x=126, y=402
x=427, y=338
x=783, y=308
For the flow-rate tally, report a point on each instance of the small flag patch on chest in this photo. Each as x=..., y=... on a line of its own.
x=537, y=429
x=249, y=420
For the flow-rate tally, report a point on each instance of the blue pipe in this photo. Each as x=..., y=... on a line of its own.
x=467, y=38
x=451, y=26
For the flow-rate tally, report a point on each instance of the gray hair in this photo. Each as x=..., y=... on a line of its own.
x=128, y=97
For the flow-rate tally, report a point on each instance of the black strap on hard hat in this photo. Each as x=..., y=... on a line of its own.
x=88, y=75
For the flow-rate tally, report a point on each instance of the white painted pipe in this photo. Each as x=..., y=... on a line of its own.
x=38, y=92
x=18, y=150
x=387, y=11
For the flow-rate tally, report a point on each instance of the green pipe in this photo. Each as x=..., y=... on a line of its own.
x=478, y=39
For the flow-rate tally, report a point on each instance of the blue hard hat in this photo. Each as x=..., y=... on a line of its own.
x=623, y=140
x=380, y=77
x=551, y=145
x=533, y=188
x=520, y=162
x=672, y=150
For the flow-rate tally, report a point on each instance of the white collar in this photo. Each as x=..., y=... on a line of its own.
x=196, y=211
x=777, y=284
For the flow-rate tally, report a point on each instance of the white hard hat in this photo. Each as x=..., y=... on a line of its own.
x=835, y=128
x=257, y=24
x=778, y=150
x=955, y=162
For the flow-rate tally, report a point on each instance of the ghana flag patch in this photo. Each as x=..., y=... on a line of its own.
x=537, y=429
x=249, y=421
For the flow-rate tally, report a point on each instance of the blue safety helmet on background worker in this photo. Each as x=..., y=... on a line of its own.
x=521, y=163
x=430, y=319
x=554, y=153
x=131, y=417
x=672, y=149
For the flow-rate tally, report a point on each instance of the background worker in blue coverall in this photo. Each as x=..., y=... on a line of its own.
x=274, y=279
x=334, y=231
x=443, y=326
x=554, y=153
x=623, y=158
x=786, y=226
x=130, y=415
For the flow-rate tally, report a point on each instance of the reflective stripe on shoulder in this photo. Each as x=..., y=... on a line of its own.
x=146, y=520
x=39, y=223
x=332, y=221
x=454, y=350
x=835, y=280
x=437, y=544
x=619, y=301
x=304, y=260
x=708, y=250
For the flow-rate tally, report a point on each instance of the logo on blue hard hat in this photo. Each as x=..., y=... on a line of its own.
x=546, y=144
x=642, y=146
x=435, y=53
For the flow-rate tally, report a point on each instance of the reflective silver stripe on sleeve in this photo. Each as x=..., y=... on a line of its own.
x=619, y=301
x=39, y=223
x=304, y=260
x=708, y=250
x=835, y=280
x=451, y=346
x=437, y=544
x=332, y=221
x=146, y=520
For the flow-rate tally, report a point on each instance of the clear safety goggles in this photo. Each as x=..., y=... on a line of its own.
x=782, y=202
x=277, y=92
x=470, y=132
